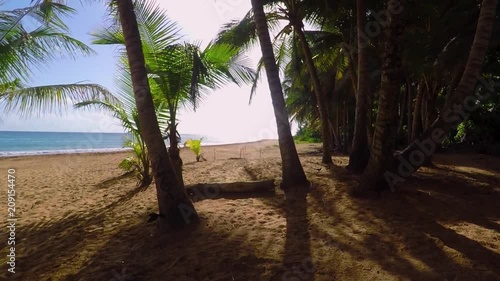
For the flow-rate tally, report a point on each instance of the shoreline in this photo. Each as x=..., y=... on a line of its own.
x=23, y=154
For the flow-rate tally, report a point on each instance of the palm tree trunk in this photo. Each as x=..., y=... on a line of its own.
x=402, y=111
x=337, y=124
x=369, y=117
x=477, y=54
x=386, y=122
x=173, y=149
x=176, y=210
x=292, y=171
x=318, y=90
x=456, y=78
x=146, y=178
x=417, y=124
x=331, y=120
x=409, y=86
x=425, y=145
x=345, y=129
x=360, y=151
x=430, y=113
x=352, y=72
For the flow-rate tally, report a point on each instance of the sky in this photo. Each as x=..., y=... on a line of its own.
x=224, y=114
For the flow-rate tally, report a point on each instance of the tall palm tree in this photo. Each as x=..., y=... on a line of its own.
x=360, y=148
x=292, y=171
x=243, y=32
x=294, y=13
x=23, y=49
x=179, y=73
x=185, y=73
x=385, y=124
x=332, y=66
x=176, y=210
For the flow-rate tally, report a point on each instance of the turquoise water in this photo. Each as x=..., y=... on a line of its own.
x=34, y=143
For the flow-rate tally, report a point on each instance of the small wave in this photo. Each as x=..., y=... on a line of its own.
x=4, y=154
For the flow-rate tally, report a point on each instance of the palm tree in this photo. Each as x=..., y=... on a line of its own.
x=176, y=210
x=244, y=31
x=125, y=110
x=450, y=118
x=294, y=13
x=393, y=169
x=385, y=124
x=179, y=73
x=331, y=64
x=360, y=150
x=185, y=73
x=292, y=171
x=22, y=49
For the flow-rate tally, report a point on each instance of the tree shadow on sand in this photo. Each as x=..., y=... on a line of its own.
x=411, y=234
x=63, y=242
x=106, y=243
x=114, y=180
x=200, y=252
x=298, y=264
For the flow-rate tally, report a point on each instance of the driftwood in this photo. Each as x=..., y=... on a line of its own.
x=231, y=190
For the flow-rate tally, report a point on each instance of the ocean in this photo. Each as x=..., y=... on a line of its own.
x=37, y=143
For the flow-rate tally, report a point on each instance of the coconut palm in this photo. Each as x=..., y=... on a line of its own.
x=385, y=124
x=292, y=12
x=382, y=165
x=124, y=109
x=295, y=15
x=184, y=73
x=332, y=66
x=176, y=210
x=292, y=171
x=23, y=49
x=360, y=150
x=179, y=73
x=450, y=118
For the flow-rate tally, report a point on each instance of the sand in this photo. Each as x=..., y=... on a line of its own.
x=79, y=218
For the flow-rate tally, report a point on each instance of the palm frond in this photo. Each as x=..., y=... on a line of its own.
x=242, y=34
x=53, y=98
x=22, y=51
x=157, y=30
x=258, y=72
x=45, y=13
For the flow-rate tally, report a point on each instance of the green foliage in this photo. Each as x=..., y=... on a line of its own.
x=25, y=46
x=179, y=73
x=139, y=163
x=482, y=124
x=307, y=134
x=129, y=164
x=465, y=129
x=195, y=147
x=124, y=109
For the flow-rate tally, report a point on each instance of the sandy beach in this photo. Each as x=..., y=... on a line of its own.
x=80, y=218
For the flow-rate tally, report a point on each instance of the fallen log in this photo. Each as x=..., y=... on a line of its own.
x=231, y=190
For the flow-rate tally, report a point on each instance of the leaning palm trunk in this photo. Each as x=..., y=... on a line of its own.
x=292, y=172
x=318, y=90
x=176, y=210
x=360, y=152
x=411, y=159
x=386, y=122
